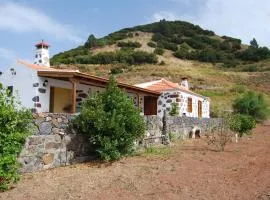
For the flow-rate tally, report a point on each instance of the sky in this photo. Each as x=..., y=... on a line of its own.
x=66, y=24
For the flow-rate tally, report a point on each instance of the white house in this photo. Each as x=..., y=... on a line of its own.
x=45, y=89
x=188, y=103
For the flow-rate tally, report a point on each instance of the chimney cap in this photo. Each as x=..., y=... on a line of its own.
x=42, y=44
x=184, y=78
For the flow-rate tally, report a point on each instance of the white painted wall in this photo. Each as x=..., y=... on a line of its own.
x=165, y=103
x=22, y=79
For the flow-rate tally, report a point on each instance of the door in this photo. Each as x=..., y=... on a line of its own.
x=60, y=100
x=199, y=109
x=150, y=105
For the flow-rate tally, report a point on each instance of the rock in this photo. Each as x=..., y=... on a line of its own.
x=59, y=120
x=47, y=158
x=35, y=99
x=83, y=95
x=48, y=119
x=52, y=145
x=55, y=123
x=55, y=130
x=65, y=121
x=34, y=110
x=35, y=84
x=37, y=105
x=42, y=90
x=159, y=102
x=169, y=101
x=45, y=128
x=43, y=115
x=34, y=140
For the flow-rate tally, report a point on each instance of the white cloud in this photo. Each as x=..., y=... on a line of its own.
x=242, y=18
x=170, y=16
x=6, y=53
x=20, y=18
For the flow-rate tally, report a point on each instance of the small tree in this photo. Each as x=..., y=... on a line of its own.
x=242, y=124
x=174, y=109
x=14, y=128
x=252, y=104
x=111, y=121
x=254, y=43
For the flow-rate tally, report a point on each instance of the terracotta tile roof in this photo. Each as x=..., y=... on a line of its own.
x=67, y=74
x=44, y=44
x=164, y=85
x=42, y=68
x=160, y=85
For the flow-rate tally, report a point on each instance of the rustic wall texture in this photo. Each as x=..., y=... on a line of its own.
x=54, y=143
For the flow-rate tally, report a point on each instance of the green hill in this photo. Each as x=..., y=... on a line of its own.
x=183, y=39
x=219, y=67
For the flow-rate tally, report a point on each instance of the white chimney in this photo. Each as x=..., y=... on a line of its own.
x=42, y=54
x=184, y=83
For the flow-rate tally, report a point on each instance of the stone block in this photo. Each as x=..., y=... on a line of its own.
x=47, y=158
x=52, y=145
x=48, y=119
x=45, y=128
x=55, y=130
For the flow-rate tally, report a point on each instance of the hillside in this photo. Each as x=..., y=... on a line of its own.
x=218, y=67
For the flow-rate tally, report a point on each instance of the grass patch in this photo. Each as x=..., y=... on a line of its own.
x=157, y=151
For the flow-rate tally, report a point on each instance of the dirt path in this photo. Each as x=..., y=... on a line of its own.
x=186, y=171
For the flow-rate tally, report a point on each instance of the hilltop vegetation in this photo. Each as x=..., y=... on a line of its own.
x=221, y=68
x=184, y=40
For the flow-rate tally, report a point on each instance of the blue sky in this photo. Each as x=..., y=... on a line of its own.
x=66, y=24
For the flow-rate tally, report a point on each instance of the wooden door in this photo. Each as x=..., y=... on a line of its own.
x=150, y=105
x=199, y=109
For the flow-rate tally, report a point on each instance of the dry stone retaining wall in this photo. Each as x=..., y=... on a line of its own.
x=54, y=143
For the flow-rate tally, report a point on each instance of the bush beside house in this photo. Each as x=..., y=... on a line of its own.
x=112, y=123
x=14, y=128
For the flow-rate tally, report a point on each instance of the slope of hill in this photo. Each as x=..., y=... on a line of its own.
x=218, y=67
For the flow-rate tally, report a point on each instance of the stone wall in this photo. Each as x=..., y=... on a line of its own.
x=181, y=127
x=54, y=143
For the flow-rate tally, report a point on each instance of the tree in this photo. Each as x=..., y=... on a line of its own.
x=254, y=43
x=111, y=121
x=242, y=124
x=91, y=41
x=174, y=109
x=14, y=128
x=252, y=104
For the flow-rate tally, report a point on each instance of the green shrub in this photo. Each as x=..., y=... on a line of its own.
x=129, y=44
x=172, y=136
x=14, y=128
x=252, y=104
x=242, y=124
x=112, y=123
x=159, y=51
x=152, y=44
x=116, y=70
x=174, y=109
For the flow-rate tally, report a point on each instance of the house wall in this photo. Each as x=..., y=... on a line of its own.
x=181, y=99
x=82, y=92
x=22, y=79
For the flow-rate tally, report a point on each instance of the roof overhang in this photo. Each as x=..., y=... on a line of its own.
x=87, y=79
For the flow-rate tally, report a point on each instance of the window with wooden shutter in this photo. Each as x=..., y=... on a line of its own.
x=190, y=104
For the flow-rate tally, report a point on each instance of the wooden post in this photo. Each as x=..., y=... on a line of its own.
x=74, y=85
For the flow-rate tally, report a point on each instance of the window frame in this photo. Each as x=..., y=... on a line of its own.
x=189, y=104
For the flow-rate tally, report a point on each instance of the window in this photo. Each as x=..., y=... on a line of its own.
x=10, y=90
x=190, y=104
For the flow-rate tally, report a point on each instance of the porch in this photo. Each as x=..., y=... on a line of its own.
x=77, y=86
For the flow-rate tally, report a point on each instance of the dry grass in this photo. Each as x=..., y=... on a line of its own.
x=189, y=170
x=205, y=78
